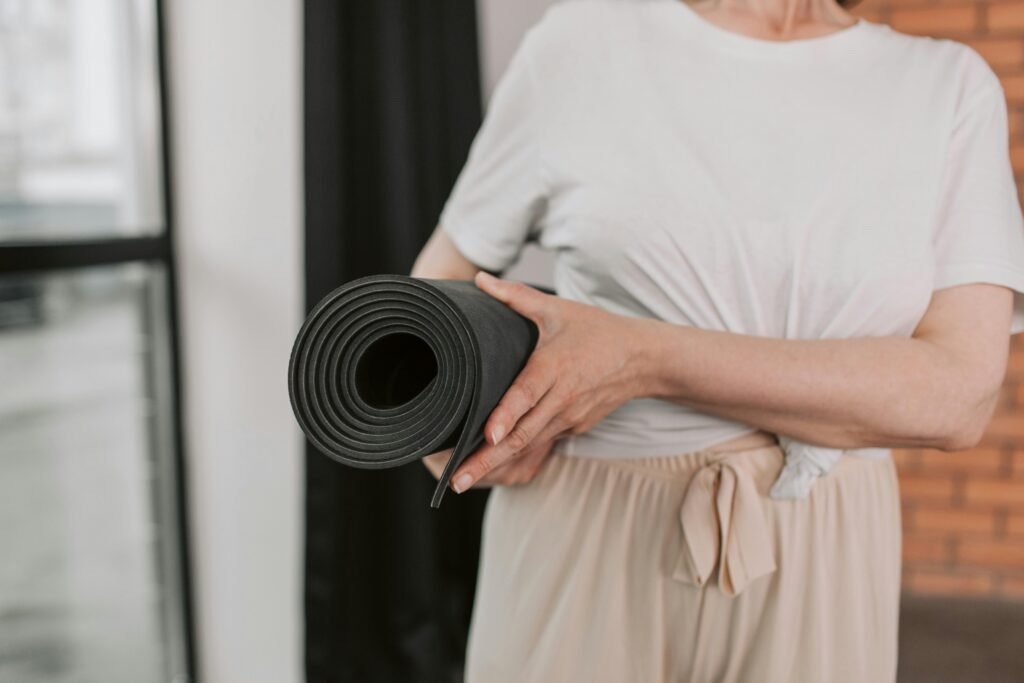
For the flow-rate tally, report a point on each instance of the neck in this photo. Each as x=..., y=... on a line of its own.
x=780, y=19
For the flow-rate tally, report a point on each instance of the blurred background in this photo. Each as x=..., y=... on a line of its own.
x=179, y=182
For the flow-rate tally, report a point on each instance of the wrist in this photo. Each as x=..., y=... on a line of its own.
x=647, y=359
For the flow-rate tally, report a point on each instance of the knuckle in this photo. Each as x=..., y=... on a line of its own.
x=580, y=427
x=561, y=422
x=489, y=461
x=518, y=439
x=578, y=416
x=527, y=392
x=571, y=398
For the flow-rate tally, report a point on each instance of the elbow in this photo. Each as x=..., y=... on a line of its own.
x=967, y=427
x=964, y=437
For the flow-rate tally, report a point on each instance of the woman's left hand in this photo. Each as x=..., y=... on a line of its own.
x=586, y=364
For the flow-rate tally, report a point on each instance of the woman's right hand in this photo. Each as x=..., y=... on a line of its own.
x=435, y=462
x=519, y=469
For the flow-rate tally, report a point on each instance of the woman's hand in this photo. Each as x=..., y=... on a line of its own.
x=586, y=364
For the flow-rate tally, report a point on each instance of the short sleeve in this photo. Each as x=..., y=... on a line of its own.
x=980, y=233
x=498, y=198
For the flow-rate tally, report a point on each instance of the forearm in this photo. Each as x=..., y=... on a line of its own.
x=842, y=393
x=439, y=259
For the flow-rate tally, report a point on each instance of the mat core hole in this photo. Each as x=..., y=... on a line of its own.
x=394, y=370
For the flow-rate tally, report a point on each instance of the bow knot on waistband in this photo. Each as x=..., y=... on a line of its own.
x=723, y=523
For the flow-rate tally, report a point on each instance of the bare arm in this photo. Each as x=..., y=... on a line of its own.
x=936, y=389
x=439, y=258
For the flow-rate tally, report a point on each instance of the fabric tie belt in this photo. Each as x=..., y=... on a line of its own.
x=722, y=519
x=723, y=523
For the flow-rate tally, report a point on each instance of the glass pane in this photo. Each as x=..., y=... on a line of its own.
x=90, y=575
x=79, y=119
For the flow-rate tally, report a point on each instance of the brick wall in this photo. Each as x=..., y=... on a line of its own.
x=963, y=513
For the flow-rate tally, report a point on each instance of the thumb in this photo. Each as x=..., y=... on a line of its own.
x=521, y=298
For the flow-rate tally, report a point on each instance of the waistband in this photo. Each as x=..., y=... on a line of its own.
x=743, y=442
x=676, y=467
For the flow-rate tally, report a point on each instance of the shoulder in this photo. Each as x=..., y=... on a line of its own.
x=952, y=67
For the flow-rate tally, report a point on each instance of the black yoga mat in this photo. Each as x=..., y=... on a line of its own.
x=389, y=368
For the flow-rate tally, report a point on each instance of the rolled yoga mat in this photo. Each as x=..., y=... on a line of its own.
x=389, y=368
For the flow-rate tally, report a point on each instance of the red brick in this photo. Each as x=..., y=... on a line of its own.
x=921, y=488
x=1017, y=158
x=971, y=583
x=1015, y=525
x=977, y=460
x=991, y=553
x=928, y=550
x=1005, y=16
x=1004, y=425
x=1014, y=371
x=1018, y=462
x=1013, y=587
x=1013, y=86
x=953, y=521
x=895, y=4
x=905, y=458
x=952, y=20
x=1005, y=492
x=1000, y=53
x=1015, y=126
x=1018, y=395
x=1007, y=402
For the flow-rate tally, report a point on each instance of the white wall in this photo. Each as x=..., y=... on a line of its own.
x=235, y=76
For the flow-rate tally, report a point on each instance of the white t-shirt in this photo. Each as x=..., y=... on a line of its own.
x=804, y=189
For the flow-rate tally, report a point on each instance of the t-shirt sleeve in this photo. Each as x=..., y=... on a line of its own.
x=980, y=233
x=498, y=199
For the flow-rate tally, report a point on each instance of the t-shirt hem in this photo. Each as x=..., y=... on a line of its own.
x=479, y=252
x=992, y=273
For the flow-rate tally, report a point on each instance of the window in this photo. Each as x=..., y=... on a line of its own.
x=94, y=582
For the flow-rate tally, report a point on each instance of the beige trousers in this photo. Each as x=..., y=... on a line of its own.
x=682, y=569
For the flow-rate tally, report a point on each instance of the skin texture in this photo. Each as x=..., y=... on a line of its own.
x=935, y=389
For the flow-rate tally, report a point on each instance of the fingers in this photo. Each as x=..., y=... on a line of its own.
x=435, y=462
x=520, y=469
x=528, y=389
x=489, y=456
x=521, y=298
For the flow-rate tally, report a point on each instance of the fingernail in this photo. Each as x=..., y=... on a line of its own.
x=496, y=435
x=462, y=482
x=486, y=276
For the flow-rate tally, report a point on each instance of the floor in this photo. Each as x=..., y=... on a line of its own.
x=961, y=641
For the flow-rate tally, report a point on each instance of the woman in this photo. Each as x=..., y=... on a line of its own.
x=775, y=226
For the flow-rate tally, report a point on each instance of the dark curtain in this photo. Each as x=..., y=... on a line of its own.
x=392, y=101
